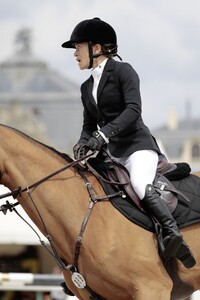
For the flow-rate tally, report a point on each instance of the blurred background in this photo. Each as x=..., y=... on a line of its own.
x=40, y=81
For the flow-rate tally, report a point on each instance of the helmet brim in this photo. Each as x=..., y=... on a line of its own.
x=68, y=44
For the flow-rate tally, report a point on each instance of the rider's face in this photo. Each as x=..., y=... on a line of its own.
x=82, y=55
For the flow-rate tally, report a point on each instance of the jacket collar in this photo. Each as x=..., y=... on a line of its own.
x=106, y=73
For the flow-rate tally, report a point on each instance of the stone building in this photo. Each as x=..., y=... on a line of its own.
x=46, y=106
x=37, y=100
x=180, y=139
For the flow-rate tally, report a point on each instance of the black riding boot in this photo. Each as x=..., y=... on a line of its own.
x=174, y=246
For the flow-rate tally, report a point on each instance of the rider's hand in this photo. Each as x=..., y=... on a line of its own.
x=80, y=150
x=96, y=142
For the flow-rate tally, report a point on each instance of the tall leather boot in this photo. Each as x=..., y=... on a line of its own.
x=174, y=246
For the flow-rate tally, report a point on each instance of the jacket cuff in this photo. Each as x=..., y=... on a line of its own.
x=103, y=136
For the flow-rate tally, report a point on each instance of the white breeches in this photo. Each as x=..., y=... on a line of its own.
x=142, y=167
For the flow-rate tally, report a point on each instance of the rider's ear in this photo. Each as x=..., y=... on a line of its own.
x=96, y=48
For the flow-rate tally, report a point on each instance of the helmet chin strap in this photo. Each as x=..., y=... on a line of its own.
x=90, y=55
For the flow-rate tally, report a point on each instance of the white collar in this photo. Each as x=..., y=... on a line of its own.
x=97, y=72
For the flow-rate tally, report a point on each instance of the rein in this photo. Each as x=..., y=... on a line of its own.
x=18, y=191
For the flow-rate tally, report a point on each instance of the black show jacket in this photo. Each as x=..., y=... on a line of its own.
x=118, y=112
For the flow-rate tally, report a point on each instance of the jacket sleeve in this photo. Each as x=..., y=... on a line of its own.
x=128, y=81
x=89, y=122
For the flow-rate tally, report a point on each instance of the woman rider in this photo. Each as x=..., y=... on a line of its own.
x=112, y=117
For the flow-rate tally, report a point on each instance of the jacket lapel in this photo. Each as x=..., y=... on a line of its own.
x=91, y=103
x=89, y=92
x=106, y=73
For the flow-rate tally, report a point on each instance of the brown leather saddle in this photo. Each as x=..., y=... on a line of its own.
x=116, y=174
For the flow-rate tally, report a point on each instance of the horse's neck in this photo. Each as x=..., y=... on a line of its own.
x=60, y=200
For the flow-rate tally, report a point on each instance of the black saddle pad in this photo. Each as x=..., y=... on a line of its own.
x=185, y=213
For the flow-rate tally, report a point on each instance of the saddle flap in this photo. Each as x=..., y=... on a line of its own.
x=114, y=174
x=164, y=188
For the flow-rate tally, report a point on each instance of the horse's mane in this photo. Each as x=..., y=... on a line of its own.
x=65, y=156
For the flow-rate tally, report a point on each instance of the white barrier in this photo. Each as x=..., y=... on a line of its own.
x=38, y=283
x=196, y=296
x=32, y=279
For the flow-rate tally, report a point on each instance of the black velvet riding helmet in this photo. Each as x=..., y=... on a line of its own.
x=94, y=31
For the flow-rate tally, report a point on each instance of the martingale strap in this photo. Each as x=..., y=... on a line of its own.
x=93, y=199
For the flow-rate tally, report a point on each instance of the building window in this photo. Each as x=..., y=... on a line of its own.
x=196, y=151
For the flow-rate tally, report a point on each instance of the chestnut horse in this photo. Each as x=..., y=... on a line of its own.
x=118, y=260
